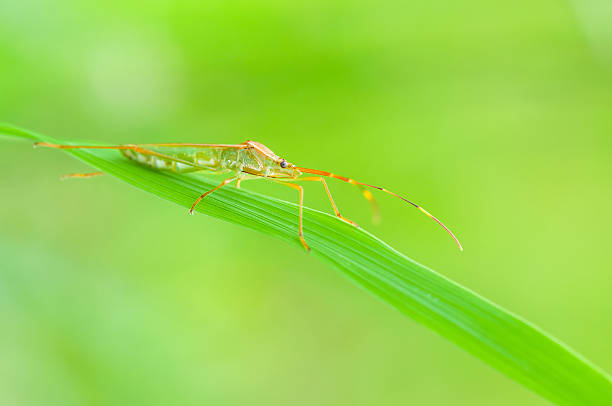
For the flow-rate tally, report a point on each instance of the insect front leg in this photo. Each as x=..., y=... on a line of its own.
x=300, y=228
x=331, y=199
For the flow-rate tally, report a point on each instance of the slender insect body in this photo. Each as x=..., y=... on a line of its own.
x=248, y=160
x=253, y=159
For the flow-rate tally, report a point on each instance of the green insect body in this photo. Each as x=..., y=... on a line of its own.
x=249, y=160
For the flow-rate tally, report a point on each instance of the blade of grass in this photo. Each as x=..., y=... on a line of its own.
x=501, y=339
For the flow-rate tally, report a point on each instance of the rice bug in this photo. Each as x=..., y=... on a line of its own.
x=249, y=160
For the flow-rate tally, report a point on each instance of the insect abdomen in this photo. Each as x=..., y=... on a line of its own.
x=180, y=160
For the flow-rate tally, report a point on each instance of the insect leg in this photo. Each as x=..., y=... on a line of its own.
x=300, y=230
x=331, y=199
x=81, y=175
x=246, y=176
x=61, y=146
x=225, y=182
x=131, y=146
x=361, y=184
x=366, y=193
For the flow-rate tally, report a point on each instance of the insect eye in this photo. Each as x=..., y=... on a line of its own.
x=283, y=164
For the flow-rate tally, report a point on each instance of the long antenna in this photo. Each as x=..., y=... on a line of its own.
x=352, y=181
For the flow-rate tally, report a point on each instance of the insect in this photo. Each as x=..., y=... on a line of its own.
x=249, y=160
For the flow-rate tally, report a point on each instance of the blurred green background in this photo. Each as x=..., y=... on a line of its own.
x=497, y=117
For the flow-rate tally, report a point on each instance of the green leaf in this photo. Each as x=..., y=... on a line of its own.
x=504, y=341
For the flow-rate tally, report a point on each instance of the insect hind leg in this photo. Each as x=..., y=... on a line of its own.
x=81, y=175
x=65, y=146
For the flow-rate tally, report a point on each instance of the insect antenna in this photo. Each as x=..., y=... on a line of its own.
x=366, y=192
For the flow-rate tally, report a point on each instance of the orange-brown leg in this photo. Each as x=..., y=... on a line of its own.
x=81, y=175
x=225, y=182
x=62, y=146
x=300, y=230
x=331, y=199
